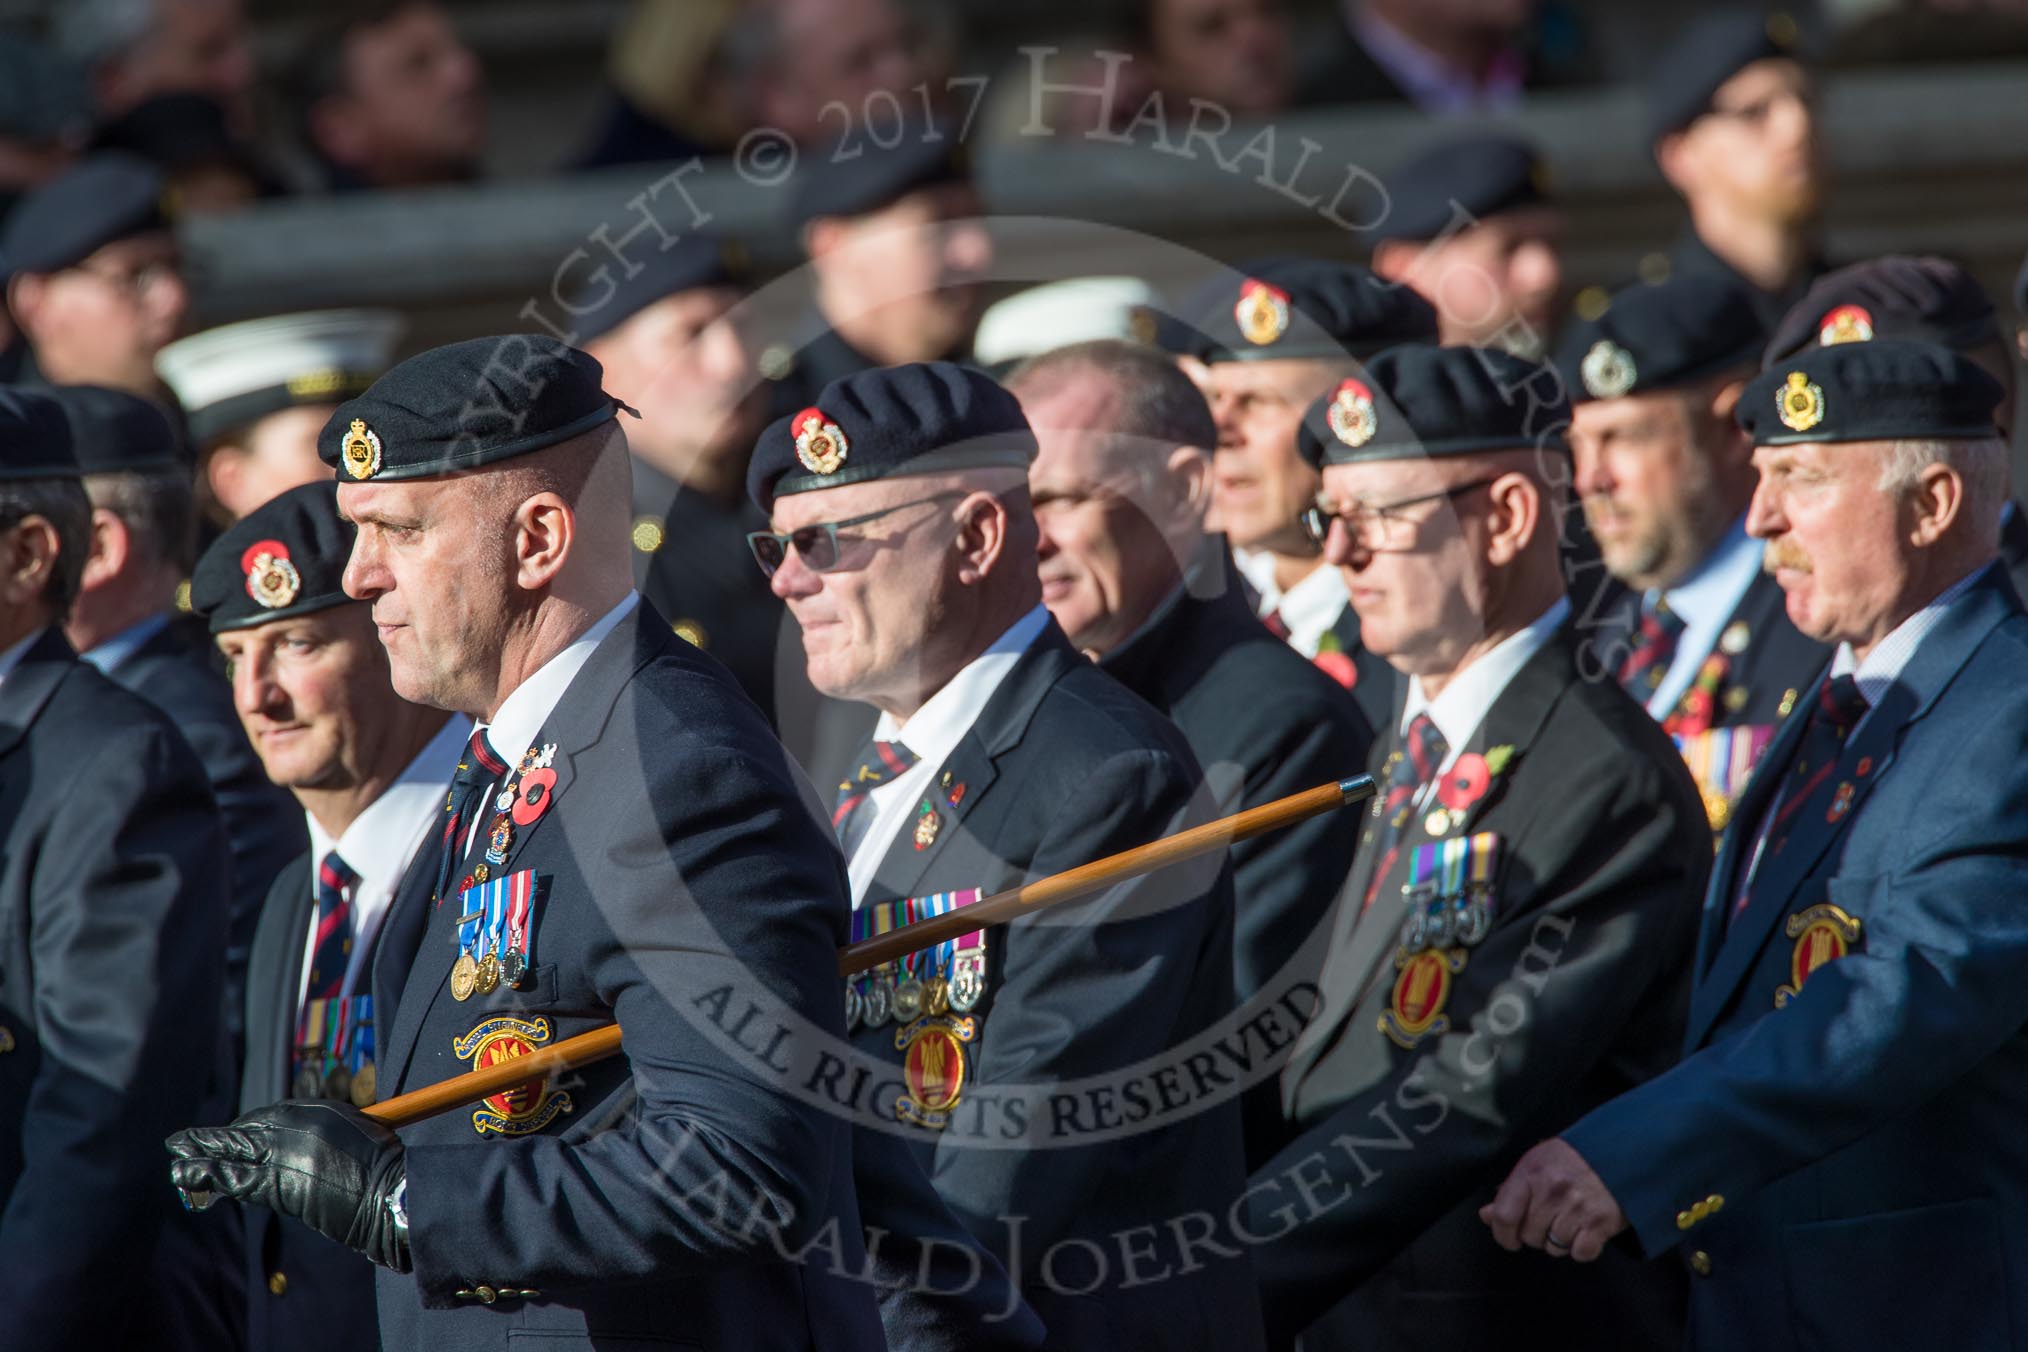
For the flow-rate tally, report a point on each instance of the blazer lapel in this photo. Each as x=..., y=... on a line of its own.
x=1943, y=652
x=575, y=725
x=28, y=687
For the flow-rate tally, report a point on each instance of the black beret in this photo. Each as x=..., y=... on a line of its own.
x=1286, y=308
x=100, y=199
x=1659, y=336
x=1477, y=175
x=285, y=558
x=34, y=436
x=608, y=298
x=838, y=182
x=466, y=404
x=1928, y=299
x=1886, y=390
x=1707, y=52
x=1418, y=400
x=923, y=418
x=112, y=431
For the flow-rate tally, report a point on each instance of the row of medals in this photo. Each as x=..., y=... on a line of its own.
x=1461, y=919
x=337, y=1083
x=905, y=1001
x=482, y=976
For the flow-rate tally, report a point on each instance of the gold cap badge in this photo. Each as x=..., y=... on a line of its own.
x=361, y=450
x=1262, y=312
x=1800, y=403
x=1351, y=414
x=1607, y=370
x=820, y=443
x=271, y=580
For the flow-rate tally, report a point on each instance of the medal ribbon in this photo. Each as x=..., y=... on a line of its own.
x=522, y=889
x=496, y=917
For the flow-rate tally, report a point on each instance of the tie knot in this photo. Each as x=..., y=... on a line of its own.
x=1840, y=702
x=334, y=874
x=1426, y=746
x=1662, y=622
x=481, y=764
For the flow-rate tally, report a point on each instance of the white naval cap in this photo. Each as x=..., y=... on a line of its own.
x=1057, y=314
x=231, y=376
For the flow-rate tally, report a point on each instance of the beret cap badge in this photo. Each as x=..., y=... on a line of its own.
x=820, y=443
x=1262, y=312
x=1351, y=414
x=361, y=450
x=1800, y=402
x=1846, y=324
x=1607, y=370
x=271, y=580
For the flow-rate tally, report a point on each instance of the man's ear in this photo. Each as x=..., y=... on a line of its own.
x=823, y=236
x=1516, y=517
x=112, y=545
x=983, y=529
x=24, y=300
x=225, y=475
x=1937, y=501
x=1189, y=480
x=28, y=559
x=1675, y=157
x=545, y=528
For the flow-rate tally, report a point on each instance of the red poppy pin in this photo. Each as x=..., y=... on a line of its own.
x=537, y=787
x=1466, y=782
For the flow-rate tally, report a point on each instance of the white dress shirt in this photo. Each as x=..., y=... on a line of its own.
x=1309, y=608
x=1882, y=667
x=522, y=714
x=1462, y=705
x=380, y=844
x=1704, y=601
x=932, y=733
x=126, y=643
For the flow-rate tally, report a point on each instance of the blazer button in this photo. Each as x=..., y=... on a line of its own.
x=278, y=1283
x=486, y=1294
x=6, y=1039
x=1714, y=1204
x=1700, y=1263
x=1684, y=1220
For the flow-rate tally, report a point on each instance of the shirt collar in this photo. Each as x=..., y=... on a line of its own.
x=11, y=658
x=934, y=731
x=110, y=654
x=1710, y=591
x=515, y=727
x=1883, y=666
x=1462, y=706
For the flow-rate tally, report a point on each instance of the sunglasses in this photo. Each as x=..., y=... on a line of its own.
x=817, y=545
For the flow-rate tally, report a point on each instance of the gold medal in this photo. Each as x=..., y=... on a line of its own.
x=487, y=979
x=936, y=996
x=464, y=972
x=1438, y=821
x=363, y=1084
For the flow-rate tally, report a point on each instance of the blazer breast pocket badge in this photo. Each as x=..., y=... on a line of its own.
x=1450, y=911
x=526, y=1108
x=1823, y=934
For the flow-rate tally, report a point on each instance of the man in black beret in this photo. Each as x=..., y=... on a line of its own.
x=904, y=542
x=1121, y=484
x=367, y=770
x=1927, y=299
x=124, y=622
x=671, y=341
x=1513, y=944
x=623, y=841
x=1470, y=226
x=1665, y=475
x=113, y=872
x=898, y=254
x=1858, y=995
x=1271, y=340
x=94, y=277
x=1732, y=122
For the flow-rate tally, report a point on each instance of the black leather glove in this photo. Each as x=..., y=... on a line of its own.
x=327, y=1164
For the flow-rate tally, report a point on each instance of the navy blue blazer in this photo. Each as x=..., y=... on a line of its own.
x=177, y=672
x=690, y=892
x=112, y=948
x=1063, y=766
x=1845, y=1166
x=304, y=1292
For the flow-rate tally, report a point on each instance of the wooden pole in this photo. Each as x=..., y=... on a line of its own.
x=997, y=909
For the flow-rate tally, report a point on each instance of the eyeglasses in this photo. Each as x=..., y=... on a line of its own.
x=817, y=545
x=1377, y=528
x=134, y=283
